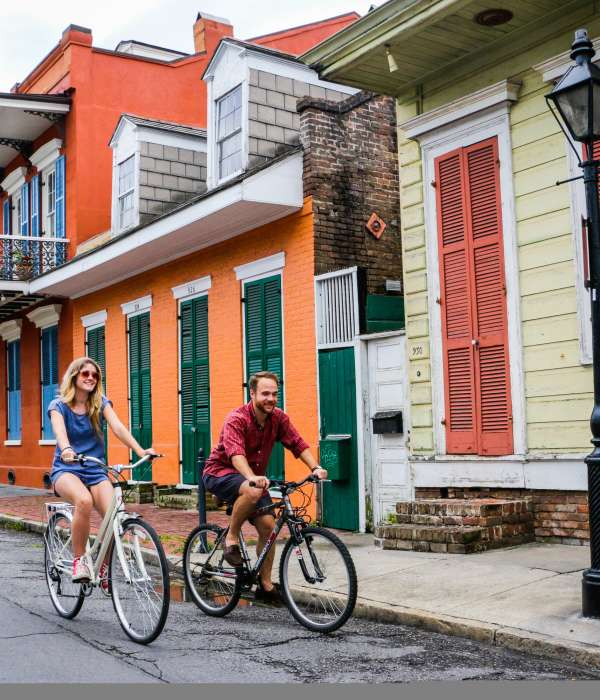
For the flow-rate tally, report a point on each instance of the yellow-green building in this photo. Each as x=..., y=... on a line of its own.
x=497, y=315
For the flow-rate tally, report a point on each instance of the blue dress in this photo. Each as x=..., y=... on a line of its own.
x=84, y=440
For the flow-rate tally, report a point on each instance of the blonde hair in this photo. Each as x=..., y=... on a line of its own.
x=94, y=399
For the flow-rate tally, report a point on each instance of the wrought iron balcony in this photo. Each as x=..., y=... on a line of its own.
x=25, y=257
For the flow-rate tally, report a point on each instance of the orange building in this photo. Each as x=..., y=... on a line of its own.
x=160, y=217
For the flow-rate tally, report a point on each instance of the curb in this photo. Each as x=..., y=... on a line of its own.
x=564, y=650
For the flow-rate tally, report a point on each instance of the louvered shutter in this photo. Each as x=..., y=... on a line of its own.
x=460, y=418
x=195, y=390
x=264, y=343
x=60, y=198
x=492, y=373
x=49, y=343
x=6, y=217
x=140, y=387
x=473, y=295
x=35, y=205
x=14, y=390
x=96, y=349
x=24, y=209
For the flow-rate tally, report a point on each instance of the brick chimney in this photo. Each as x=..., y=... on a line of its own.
x=208, y=32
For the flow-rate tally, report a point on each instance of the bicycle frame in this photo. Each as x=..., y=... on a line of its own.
x=110, y=528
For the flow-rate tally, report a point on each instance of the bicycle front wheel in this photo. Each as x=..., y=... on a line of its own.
x=139, y=582
x=66, y=596
x=213, y=583
x=318, y=580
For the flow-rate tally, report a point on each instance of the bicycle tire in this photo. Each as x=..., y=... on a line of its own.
x=219, y=593
x=67, y=604
x=338, y=597
x=147, y=563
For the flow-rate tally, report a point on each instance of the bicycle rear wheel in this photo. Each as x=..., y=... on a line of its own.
x=318, y=580
x=66, y=596
x=140, y=589
x=213, y=583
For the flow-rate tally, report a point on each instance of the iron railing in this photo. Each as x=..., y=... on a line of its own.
x=25, y=257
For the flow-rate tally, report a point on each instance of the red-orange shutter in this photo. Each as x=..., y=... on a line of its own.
x=489, y=316
x=459, y=374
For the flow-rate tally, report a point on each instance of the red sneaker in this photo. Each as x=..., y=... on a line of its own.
x=81, y=570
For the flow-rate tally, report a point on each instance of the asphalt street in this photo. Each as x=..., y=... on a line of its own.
x=253, y=644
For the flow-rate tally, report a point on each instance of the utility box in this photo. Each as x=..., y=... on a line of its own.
x=386, y=422
x=335, y=456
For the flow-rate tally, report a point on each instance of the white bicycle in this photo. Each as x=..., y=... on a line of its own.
x=138, y=574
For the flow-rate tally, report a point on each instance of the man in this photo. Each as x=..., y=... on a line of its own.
x=241, y=456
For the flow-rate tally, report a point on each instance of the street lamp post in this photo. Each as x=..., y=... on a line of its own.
x=577, y=98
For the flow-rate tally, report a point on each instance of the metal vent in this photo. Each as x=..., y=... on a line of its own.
x=337, y=307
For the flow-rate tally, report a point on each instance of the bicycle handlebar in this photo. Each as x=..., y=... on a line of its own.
x=81, y=458
x=289, y=485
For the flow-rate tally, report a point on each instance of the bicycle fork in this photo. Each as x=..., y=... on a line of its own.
x=319, y=576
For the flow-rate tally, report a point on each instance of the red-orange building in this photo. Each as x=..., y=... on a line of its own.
x=159, y=217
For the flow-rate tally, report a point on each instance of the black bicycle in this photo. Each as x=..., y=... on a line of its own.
x=316, y=572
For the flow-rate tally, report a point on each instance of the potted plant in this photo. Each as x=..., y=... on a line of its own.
x=23, y=264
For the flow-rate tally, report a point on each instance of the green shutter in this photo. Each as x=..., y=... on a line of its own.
x=195, y=390
x=96, y=349
x=264, y=343
x=139, y=387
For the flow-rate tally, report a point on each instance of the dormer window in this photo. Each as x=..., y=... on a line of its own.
x=126, y=203
x=229, y=133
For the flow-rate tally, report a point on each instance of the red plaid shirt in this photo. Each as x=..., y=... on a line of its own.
x=242, y=435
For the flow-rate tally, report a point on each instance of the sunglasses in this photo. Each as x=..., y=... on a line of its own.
x=86, y=374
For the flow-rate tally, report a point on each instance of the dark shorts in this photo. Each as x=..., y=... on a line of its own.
x=227, y=488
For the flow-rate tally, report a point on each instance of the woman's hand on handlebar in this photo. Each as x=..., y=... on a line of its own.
x=150, y=451
x=68, y=455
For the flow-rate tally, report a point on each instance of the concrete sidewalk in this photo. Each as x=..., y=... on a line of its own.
x=527, y=598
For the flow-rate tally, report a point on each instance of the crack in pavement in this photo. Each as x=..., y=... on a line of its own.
x=30, y=634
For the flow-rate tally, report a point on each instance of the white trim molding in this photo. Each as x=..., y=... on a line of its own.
x=564, y=473
x=12, y=443
x=46, y=154
x=45, y=316
x=98, y=318
x=555, y=67
x=193, y=288
x=14, y=180
x=259, y=268
x=47, y=442
x=477, y=127
x=501, y=93
x=137, y=306
x=11, y=330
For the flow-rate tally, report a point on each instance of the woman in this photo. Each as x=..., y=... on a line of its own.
x=77, y=417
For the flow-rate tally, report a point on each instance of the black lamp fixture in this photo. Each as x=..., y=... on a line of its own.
x=576, y=97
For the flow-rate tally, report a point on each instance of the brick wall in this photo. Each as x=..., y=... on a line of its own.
x=560, y=517
x=351, y=170
x=168, y=177
x=274, y=122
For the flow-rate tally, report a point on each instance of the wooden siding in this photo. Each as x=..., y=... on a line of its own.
x=558, y=388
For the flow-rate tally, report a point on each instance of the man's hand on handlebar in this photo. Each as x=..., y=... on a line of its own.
x=320, y=473
x=259, y=482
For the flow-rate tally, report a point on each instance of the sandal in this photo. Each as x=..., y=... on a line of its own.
x=272, y=597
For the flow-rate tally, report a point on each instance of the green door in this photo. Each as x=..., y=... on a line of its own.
x=264, y=344
x=337, y=397
x=96, y=345
x=195, y=392
x=139, y=387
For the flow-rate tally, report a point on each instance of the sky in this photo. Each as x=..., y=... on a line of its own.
x=29, y=29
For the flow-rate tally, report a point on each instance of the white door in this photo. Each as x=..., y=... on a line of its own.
x=390, y=473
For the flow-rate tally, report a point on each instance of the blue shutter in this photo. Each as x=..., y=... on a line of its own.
x=24, y=209
x=60, y=198
x=6, y=217
x=14, y=390
x=49, y=376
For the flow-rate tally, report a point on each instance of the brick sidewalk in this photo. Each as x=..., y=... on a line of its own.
x=173, y=526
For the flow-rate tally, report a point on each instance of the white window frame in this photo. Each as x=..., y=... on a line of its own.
x=470, y=129
x=237, y=132
x=17, y=212
x=578, y=213
x=120, y=196
x=48, y=214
